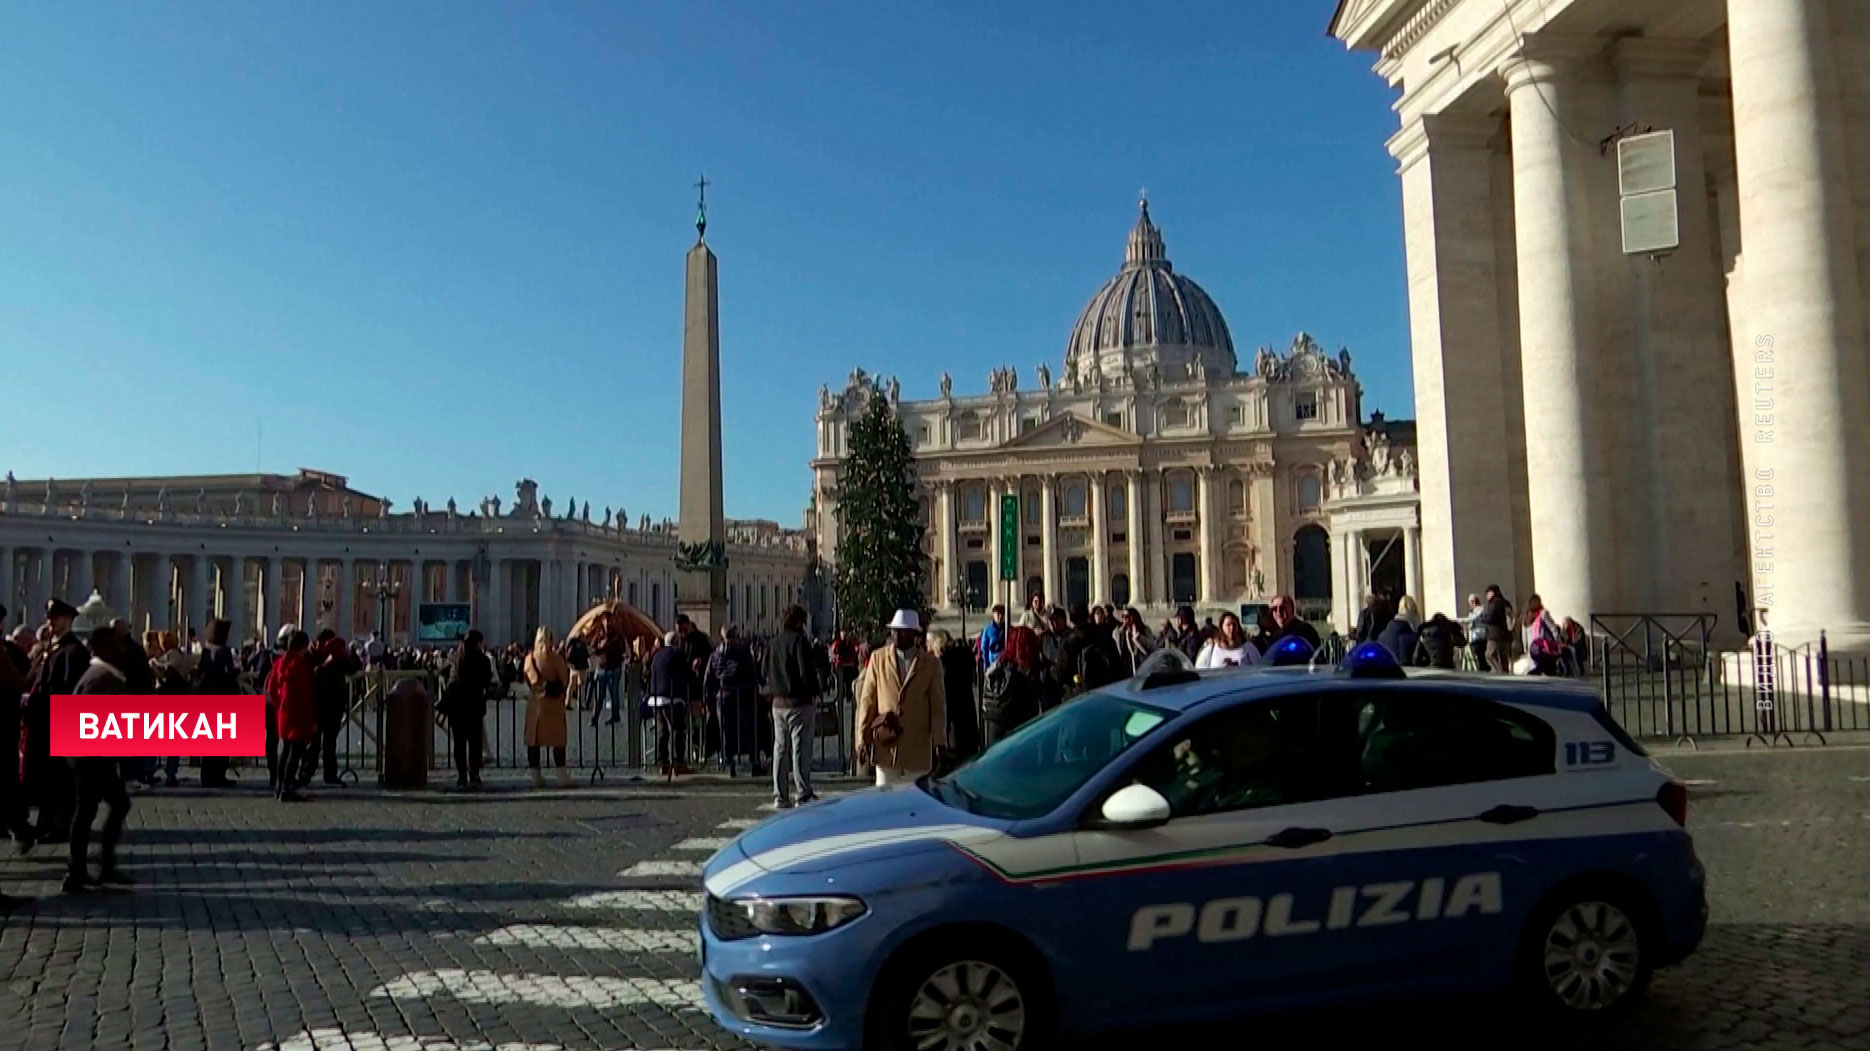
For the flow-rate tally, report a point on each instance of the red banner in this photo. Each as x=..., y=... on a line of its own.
x=103, y=725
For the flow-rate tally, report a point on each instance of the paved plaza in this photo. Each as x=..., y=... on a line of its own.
x=519, y=921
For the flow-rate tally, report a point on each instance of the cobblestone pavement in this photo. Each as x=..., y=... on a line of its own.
x=519, y=921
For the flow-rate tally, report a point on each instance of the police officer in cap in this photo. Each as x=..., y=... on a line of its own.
x=58, y=670
x=14, y=669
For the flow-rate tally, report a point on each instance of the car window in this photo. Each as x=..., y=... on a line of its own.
x=1032, y=771
x=1255, y=754
x=1407, y=740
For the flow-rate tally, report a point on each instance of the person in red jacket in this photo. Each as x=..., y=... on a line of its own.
x=289, y=688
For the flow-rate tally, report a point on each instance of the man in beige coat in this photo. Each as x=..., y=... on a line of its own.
x=903, y=680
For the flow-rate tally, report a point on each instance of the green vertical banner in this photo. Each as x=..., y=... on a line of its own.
x=1009, y=536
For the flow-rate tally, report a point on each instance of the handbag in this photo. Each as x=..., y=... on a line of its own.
x=884, y=728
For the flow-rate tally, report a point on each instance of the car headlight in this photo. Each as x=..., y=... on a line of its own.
x=799, y=915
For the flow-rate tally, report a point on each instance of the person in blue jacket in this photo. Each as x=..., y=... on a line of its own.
x=993, y=637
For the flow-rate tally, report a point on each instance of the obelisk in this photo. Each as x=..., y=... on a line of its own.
x=703, y=527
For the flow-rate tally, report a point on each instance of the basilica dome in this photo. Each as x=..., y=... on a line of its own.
x=1148, y=315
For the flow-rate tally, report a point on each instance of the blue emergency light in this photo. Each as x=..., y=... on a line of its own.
x=1371, y=660
x=1290, y=651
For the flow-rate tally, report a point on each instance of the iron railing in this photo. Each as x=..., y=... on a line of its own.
x=596, y=744
x=1663, y=678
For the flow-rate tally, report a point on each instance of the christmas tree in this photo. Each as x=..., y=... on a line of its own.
x=880, y=566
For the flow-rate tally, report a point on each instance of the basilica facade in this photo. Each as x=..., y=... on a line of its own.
x=1152, y=470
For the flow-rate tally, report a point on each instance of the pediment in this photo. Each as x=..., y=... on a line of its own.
x=1361, y=23
x=1070, y=430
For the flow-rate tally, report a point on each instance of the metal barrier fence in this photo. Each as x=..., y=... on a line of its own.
x=596, y=746
x=1661, y=679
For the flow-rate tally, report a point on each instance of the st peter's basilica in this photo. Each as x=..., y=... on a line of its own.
x=1153, y=470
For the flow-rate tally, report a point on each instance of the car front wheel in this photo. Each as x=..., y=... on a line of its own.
x=1587, y=955
x=960, y=1001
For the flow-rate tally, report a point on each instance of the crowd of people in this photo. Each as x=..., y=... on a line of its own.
x=920, y=700
x=1492, y=636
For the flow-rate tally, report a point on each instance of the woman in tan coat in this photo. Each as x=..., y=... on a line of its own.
x=902, y=706
x=548, y=681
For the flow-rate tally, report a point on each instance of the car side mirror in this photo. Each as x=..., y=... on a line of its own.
x=1135, y=807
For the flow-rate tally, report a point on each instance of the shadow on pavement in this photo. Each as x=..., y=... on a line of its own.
x=1748, y=986
x=155, y=906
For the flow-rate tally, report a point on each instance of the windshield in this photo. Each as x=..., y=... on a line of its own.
x=1031, y=772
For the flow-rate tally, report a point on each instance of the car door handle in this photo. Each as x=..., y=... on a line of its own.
x=1509, y=815
x=1294, y=838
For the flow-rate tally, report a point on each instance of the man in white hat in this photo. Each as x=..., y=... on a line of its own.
x=902, y=708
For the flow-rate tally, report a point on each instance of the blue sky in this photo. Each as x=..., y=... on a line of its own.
x=438, y=246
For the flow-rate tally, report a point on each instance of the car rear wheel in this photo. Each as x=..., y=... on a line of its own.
x=1588, y=954
x=961, y=1000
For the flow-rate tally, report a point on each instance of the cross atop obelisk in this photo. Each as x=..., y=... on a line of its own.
x=703, y=527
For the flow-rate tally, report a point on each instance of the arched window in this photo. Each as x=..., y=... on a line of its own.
x=1309, y=492
x=974, y=504
x=1311, y=564
x=1181, y=494
x=1120, y=590
x=1031, y=499
x=1074, y=500
x=1237, y=498
x=1119, y=503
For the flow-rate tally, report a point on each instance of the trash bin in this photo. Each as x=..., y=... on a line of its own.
x=408, y=722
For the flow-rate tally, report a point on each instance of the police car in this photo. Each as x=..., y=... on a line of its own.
x=1184, y=846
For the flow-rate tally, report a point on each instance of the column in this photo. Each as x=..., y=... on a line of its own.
x=1133, y=502
x=121, y=596
x=195, y=595
x=1458, y=241
x=307, y=597
x=1569, y=505
x=83, y=566
x=1094, y=497
x=344, y=606
x=1802, y=404
x=1343, y=602
x=1412, y=564
x=15, y=613
x=945, y=531
x=1204, y=501
x=493, y=610
x=1360, y=571
x=233, y=597
x=1695, y=550
x=1048, y=535
x=269, y=618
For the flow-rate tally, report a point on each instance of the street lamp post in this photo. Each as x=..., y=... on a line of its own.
x=386, y=589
